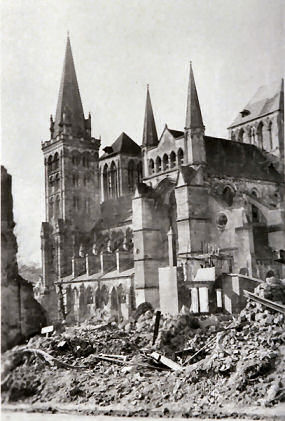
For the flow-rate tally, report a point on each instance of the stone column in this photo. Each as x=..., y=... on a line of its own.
x=147, y=247
x=170, y=247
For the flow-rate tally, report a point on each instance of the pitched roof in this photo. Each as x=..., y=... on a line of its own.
x=193, y=112
x=266, y=100
x=149, y=131
x=69, y=100
x=176, y=133
x=241, y=160
x=123, y=145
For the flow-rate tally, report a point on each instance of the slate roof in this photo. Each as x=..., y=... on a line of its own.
x=149, y=131
x=176, y=133
x=193, y=113
x=266, y=100
x=69, y=96
x=96, y=276
x=241, y=160
x=123, y=145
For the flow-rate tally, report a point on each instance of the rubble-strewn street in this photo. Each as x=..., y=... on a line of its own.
x=242, y=360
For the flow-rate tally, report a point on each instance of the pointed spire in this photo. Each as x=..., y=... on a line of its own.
x=69, y=101
x=149, y=131
x=193, y=114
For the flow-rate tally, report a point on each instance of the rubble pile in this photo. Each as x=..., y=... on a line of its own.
x=221, y=359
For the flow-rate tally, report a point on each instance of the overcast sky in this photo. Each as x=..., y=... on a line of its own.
x=118, y=47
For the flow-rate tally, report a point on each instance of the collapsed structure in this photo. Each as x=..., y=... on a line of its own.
x=184, y=219
x=21, y=315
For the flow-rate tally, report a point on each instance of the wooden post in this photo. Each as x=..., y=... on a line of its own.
x=156, y=326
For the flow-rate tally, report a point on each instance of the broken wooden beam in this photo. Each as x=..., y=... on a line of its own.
x=265, y=302
x=158, y=358
x=156, y=326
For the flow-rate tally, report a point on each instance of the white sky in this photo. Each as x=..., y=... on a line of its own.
x=118, y=47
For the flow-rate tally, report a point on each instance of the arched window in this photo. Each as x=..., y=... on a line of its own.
x=139, y=172
x=56, y=181
x=131, y=175
x=254, y=193
x=75, y=158
x=85, y=161
x=228, y=195
x=113, y=177
x=86, y=179
x=57, y=207
x=151, y=166
x=105, y=181
x=172, y=159
x=87, y=206
x=50, y=163
x=158, y=164
x=55, y=161
x=233, y=136
x=180, y=155
x=252, y=135
x=76, y=203
x=260, y=135
x=165, y=162
x=255, y=214
x=51, y=208
x=241, y=135
x=75, y=180
x=270, y=135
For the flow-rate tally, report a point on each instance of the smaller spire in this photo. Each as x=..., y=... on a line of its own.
x=193, y=113
x=149, y=132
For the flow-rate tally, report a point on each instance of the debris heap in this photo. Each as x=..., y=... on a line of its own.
x=218, y=359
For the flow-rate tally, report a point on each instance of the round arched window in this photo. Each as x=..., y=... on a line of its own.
x=228, y=195
x=221, y=220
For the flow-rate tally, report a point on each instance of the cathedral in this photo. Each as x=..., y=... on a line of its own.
x=184, y=219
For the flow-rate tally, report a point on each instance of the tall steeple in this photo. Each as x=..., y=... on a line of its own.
x=194, y=127
x=149, y=131
x=193, y=113
x=69, y=109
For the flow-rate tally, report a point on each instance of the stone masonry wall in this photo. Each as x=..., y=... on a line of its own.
x=21, y=314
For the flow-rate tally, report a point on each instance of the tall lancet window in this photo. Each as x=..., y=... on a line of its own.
x=113, y=177
x=131, y=175
x=260, y=135
x=270, y=135
x=139, y=172
x=105, y=181
x=180, y=155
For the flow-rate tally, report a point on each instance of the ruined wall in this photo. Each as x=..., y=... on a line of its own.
x=114, y=296
x=252, y=222
x=21, y=314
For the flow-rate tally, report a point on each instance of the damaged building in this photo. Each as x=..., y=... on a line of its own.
x=184, y=219
x=21, y=315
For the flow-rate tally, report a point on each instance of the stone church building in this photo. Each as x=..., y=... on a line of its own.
x=184, y=219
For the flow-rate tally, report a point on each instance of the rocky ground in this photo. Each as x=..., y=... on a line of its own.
x=242, y=360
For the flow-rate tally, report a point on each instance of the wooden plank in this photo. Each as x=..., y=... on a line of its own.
x=165, y=361
x=47, y=329
x=265, y=302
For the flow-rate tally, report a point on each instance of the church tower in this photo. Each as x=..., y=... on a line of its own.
x=71, y=179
